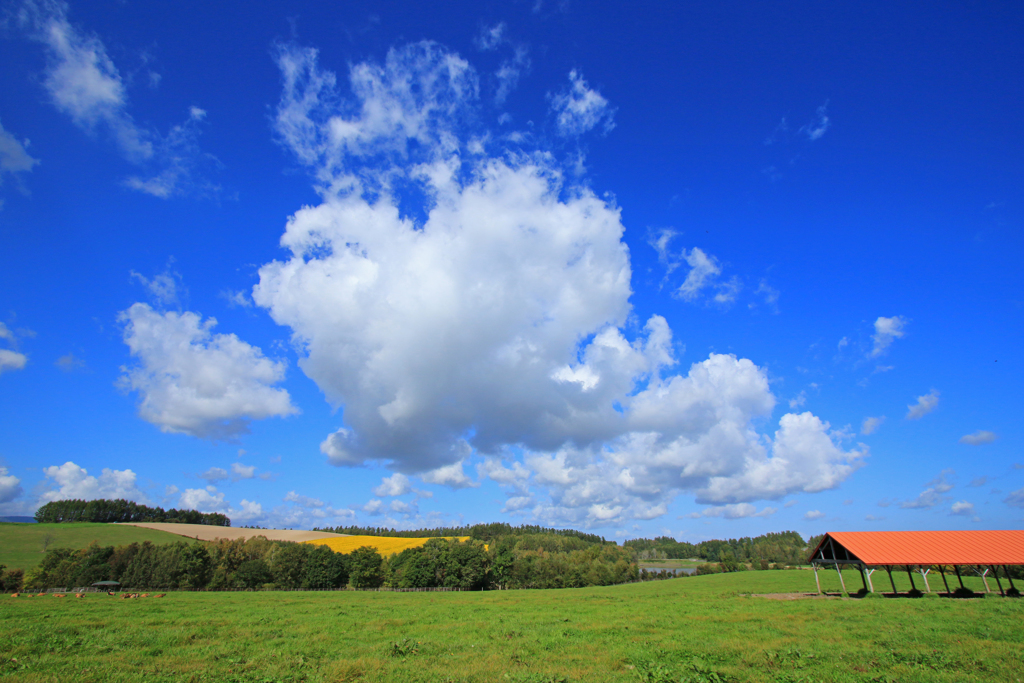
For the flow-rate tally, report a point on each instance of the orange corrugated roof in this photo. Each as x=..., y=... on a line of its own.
x=933, y=547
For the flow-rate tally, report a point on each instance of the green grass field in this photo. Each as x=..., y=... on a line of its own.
x=21, y=545
x=705, y=628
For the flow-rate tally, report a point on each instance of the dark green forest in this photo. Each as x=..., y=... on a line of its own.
x=787, y=547
x=120, y=510
x=527, y=561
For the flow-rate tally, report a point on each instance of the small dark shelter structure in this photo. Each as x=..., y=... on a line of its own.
x=979, y=552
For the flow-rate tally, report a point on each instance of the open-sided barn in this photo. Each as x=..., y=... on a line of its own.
x=984, y=553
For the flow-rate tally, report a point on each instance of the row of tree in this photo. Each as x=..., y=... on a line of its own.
x=787, y=547
x=120, y=510
x=480, y=532
x=535, y=561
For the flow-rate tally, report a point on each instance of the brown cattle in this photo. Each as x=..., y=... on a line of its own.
x=79, y=595
x=110, y=592
x=144, y=595
x=14, y=595
x=40, y=595
x=58, y=595
x=160, y=595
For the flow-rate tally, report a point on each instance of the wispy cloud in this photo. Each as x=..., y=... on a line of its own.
x=887, y=330
x=978, y=438
x=817, y=128
x=84, y=83
x=925, y=404
x=871, y=424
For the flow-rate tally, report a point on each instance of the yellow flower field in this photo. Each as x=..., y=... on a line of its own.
x=385, y=545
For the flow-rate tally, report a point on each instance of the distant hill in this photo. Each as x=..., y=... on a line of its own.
x=22, y=546
x=18, y=520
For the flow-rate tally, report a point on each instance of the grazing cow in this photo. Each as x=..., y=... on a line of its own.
x=79, y=595
x=160, y=595
x=14, y=595
x=144, y=595
x=58, y=595
x=40, y=595
x=111, y=593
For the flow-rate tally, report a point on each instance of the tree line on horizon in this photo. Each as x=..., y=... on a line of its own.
x=786, y=547
x=480, y=532
x=121, y=510
x=523, y=561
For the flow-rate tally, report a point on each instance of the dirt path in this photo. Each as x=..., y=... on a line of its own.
x=205, y=532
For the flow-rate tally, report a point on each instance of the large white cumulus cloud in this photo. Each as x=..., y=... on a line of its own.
x=496, y=318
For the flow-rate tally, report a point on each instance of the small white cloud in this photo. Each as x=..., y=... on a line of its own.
x=248, y=511
x=203, y=500
x=703, y=270
x=303, y=501
x=490, y=38
x=821, y=123
x=873, y=518
x=509, y=72
x=69, y=362
x=517, y=503
x=979, y=481
x=74, y=482
x=728, y=291
x=770, y=294
x=374, y=507
x=236, y=299
x=789, y=504
x=11, y=360
x=402, y=508
x=192, y=381
x=811, y=515
x=240, y=471
x=449, y=475
x=963, y=508
x=979, y=438
x=932, y=495
x=734, y=511
x=214, y=474
x=1015, y=499
x=580, y=109
x=395, y=485
x=798, y=400
x=871, y=424
x=170, y=490
x=925, y=404
x=886, y=331
x=9, y=486
x=163, y=287
x=14, y=159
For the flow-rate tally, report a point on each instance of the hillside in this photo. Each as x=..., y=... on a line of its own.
x=21, y=545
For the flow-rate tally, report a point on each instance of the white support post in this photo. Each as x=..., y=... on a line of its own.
x=868, y=573
x=985, y=581
x=841, y=582
x=924, y=575
x=817, y=581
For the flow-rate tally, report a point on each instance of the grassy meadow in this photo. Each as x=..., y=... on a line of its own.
x=706, y=628
x=22, y=545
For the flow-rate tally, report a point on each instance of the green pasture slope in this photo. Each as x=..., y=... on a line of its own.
x=704, y=628
x=21, y=545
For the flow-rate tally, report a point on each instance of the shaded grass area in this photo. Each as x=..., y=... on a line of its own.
x=696, y=629
x=880, y=580
x=21, y=545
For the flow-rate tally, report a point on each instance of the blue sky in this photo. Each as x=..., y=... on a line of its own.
x=702, y=271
